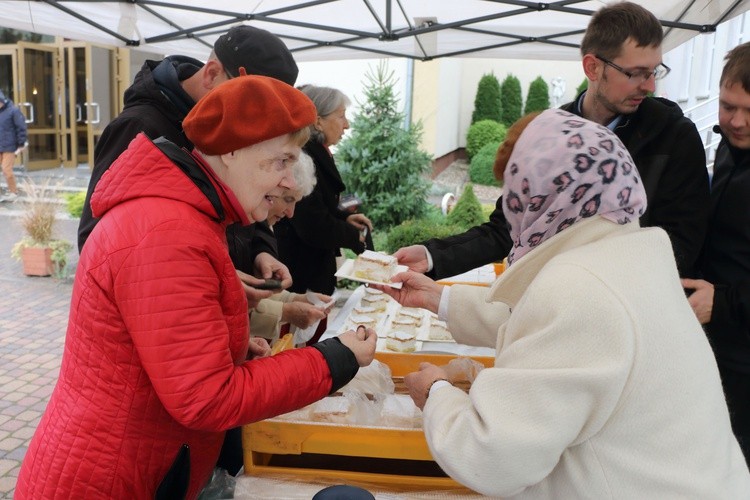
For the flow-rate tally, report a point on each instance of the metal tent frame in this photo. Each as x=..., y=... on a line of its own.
x=340, y=29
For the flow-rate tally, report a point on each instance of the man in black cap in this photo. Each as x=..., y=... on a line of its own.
x=163, y=92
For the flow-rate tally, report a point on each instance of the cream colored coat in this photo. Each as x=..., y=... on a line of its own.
x=265, y=319
x=604, y=385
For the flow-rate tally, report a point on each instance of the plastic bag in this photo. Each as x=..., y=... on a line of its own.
x=302, y=335
x=463, y=369
x=376, y=378
x=219, y=487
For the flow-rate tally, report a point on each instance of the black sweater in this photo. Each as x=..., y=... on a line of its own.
x=726, y=257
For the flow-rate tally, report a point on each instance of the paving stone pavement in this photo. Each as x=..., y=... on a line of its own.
x=33, y=319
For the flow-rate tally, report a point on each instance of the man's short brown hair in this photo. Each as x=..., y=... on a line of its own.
x=737, y=67
x=612, y=25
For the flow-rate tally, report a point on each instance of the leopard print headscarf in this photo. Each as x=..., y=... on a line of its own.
x=564, y=169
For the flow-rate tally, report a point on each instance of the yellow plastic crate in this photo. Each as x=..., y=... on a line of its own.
x=397, y=459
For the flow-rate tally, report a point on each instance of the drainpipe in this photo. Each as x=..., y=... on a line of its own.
x=408, y=93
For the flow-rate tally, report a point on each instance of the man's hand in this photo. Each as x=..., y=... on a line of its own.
x=362, y=343
x=414, y=256
x=417, y=291
x=702, y=299
x=253, y=295
x=301, y=314
x=419, y=383
x=267, y=266
x=258, y=348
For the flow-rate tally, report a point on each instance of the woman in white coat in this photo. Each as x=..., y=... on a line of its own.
x=604, y=385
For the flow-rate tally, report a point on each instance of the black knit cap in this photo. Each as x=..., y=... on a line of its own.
x=259, y=51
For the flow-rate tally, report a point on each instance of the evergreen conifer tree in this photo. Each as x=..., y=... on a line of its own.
x=487, y=103
x=468, y=211
x=512, y=102
x=538, y=97
x=380, y=161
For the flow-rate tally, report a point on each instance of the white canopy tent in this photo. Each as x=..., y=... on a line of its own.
x=355, y=29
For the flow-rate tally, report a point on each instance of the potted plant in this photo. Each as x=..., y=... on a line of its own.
x=38, y=251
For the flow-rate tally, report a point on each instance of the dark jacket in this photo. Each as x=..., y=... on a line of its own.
x=156, y=104
x=309, y=242
x=12, y=127
x=668, y=152
x=725, y=261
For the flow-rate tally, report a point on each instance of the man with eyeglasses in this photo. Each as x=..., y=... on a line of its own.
x=622, y=58
x=721, y=300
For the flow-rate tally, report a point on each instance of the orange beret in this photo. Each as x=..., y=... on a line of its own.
x=244, y=111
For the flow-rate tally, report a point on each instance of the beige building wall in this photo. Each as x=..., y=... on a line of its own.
x=444, y=92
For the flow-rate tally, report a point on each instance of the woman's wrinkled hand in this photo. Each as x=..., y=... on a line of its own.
x=258, y=348
x=268, y=266
x=419, y=383
x=301, y=314
x=362, y=343
x=254, y=295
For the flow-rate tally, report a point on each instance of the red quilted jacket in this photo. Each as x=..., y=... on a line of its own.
x=156, y=343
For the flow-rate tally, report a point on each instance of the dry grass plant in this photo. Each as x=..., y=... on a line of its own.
x=38, y=224
x=38, y=220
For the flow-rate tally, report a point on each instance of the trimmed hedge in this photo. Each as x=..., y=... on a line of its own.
x=413, y=232
x=512, y=101
x=468, y=211
x=538, y=97
x=482, y=133
x=480, y=168
x=487, y=103
x=74, y=203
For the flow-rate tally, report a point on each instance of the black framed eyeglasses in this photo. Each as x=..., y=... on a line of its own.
x=640, y=75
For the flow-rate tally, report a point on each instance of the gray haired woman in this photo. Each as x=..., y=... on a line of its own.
x=310, y=241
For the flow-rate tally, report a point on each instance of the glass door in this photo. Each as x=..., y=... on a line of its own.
x=90, y=86
x=39, y=100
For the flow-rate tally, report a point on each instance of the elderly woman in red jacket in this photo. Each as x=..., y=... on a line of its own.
x=155, y=364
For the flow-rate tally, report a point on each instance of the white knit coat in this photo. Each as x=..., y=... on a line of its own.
x=604, y=384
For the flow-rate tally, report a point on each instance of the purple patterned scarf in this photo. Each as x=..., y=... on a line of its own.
x=563, y=169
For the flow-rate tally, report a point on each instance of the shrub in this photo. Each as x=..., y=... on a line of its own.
x=512, y=101
x=487, y=210
x=480, y=168
x=487, y=103
x=412, y=232
x=380, y=161
x=74, y=203
x=583, y=86
x=468, y=211
x=538, y=97
x=482, y=133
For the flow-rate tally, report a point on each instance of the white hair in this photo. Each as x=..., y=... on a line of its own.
x=304, y=174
